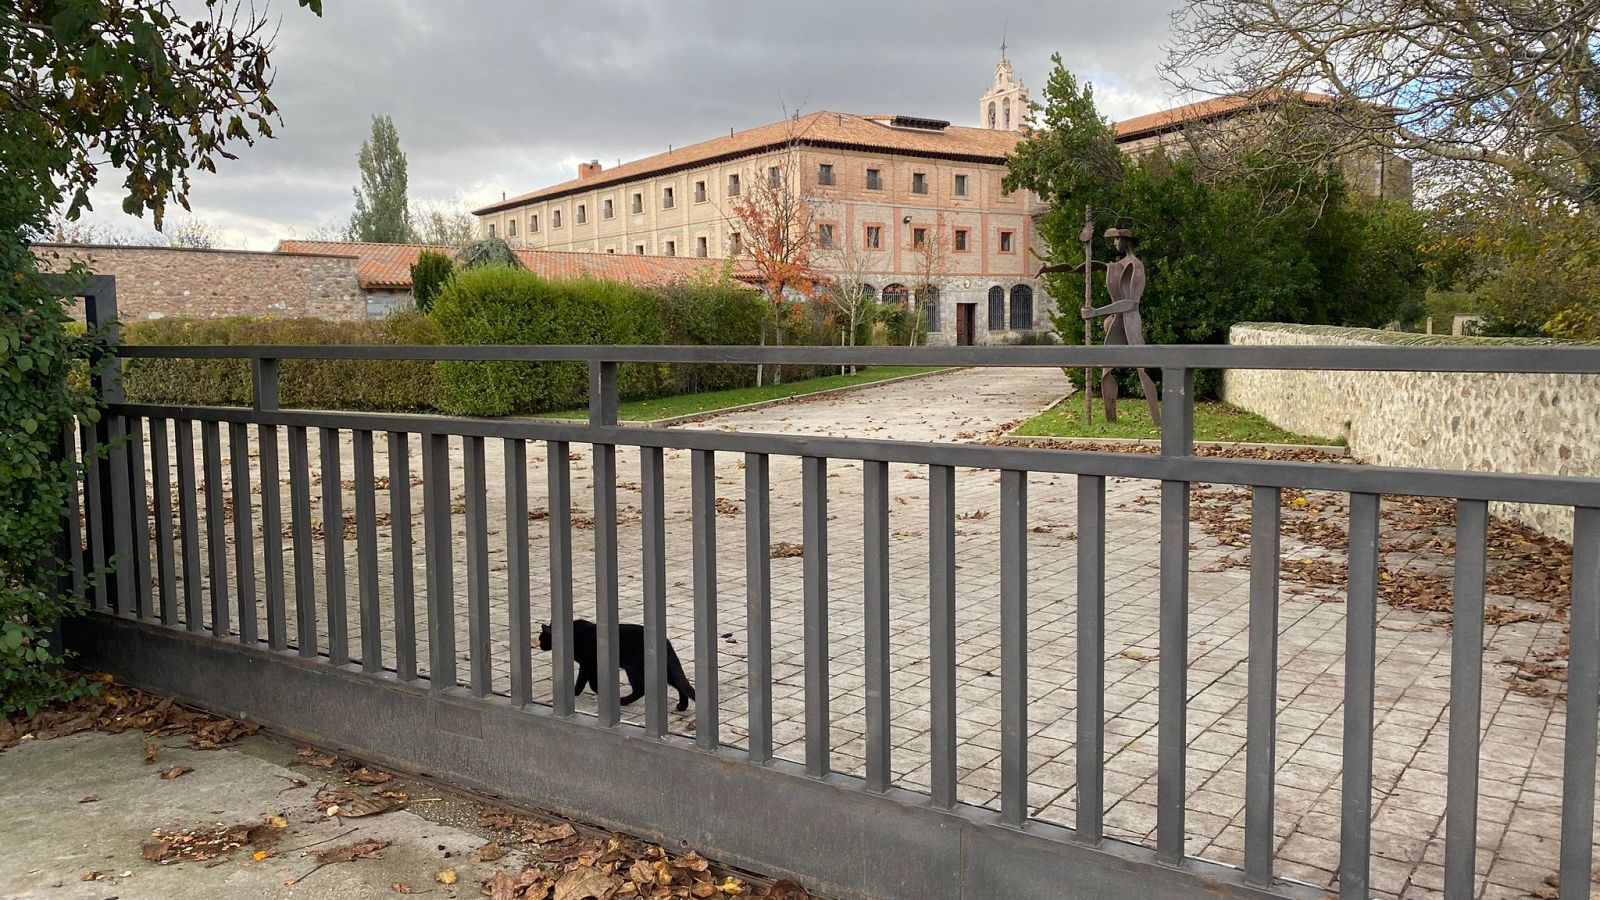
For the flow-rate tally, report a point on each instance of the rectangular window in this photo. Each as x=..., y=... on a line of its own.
x=606, y=210
x=961, y=185
x=511, y=228
x=825, y=236
x=919, y=238
x=583, y=214
x=774, y=177
x=611, y=249
x=961, y=240
x=733, y=185
x=1005, y=242
x=825, y=173
x=672, y=248
x=874, y=237
x=874, y=179
x=555, y=218
x=638, y=249
x=667, y=201
x=919, y=183
x=700, y=248
x=638, y=203
x=491, y=229
x=533, y=223
x=699, y=192
x=734, y=244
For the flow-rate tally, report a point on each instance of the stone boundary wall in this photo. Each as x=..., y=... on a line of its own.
x=1540, y=424
x=157, y=282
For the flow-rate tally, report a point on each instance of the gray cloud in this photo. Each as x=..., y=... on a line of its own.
x=505, y=96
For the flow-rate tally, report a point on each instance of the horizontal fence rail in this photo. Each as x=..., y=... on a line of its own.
x=835, y=847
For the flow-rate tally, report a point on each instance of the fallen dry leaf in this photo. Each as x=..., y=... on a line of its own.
x=787, y=550
x=489, y=852
x=400, y=887
x=366, y=806
x=175, y=772
x=445, y=876
x=550, y=834
x=92, y=798
x=365, y=775
x=585, y=884
x=342, y=853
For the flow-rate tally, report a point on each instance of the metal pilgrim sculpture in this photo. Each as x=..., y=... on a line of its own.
x=1125, y=285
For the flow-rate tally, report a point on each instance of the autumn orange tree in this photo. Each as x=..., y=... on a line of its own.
x=776, y=219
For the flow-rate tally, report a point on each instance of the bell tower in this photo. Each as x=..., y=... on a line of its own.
x=1005, y=106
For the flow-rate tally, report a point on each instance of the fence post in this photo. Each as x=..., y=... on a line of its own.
x=100, y=313
x=264, y=385
x=603, y=412
x=1177, y=440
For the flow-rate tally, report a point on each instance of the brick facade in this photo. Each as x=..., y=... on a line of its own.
x=156, y=282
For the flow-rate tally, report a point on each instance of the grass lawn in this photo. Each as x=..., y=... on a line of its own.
x=711, y=401
x=1213, y=421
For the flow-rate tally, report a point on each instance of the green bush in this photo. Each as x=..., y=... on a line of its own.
x=428, y=276
x=369, y=385
x=711, y=314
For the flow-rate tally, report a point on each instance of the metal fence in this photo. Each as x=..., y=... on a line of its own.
x=165, y=617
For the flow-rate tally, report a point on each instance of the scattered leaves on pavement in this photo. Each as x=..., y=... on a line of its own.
x=115, y=709
x=787, y=550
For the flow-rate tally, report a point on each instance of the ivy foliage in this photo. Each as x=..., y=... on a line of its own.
x=84, y=82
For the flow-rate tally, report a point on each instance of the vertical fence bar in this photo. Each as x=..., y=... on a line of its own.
x=758, y=602
x=367, y=599
x=1013, y=647
x=244, y=556
x=189, y=528
x=72, y=519
x=477, y=565
x=558, y=467
x=1361, y=634
x=405, y=604
x=651, y=475
x=603, y=412
x=875, y=566
x=94, y=517
x=161, y=487
x=518, y=588
x=1466, y=697
x=139, y=519
x=1177, y=439
x=120, y=522
x=216, y=526
x=333, y=548
x=814, y=503
x=1091, y=743
x=272, y=537
x=942, y=633
x=1261, y=715
x=438, y=536
x=305, y=572
x=703, y=487
x=1583, y=694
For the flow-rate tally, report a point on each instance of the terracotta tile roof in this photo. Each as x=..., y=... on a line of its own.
x=1205, y=110
x=388, y=266
x=827, y=129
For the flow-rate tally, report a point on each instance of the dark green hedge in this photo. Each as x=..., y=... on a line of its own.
x=489, y=305
x=370, y=385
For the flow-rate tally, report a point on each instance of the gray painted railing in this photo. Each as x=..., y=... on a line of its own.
x=151, y=599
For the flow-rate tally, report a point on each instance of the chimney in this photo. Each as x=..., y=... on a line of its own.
x=588, y=170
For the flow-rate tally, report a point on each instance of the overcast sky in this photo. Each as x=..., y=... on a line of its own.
x=492, y=97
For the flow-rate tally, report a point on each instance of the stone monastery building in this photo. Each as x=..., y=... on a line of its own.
x=882, y=184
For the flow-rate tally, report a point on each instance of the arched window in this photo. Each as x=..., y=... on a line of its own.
x=896, y=294
x=1008, y=115
x=997, y=308
x=1021, y=308
x=868, y=292
x=991, y=113
x=928, y=304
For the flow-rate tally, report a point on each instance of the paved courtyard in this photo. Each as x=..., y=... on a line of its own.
x=1521, y=785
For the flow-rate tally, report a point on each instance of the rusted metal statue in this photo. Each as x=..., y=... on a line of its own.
x=1125, y=284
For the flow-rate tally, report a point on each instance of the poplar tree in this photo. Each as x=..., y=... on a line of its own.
x=382, y=213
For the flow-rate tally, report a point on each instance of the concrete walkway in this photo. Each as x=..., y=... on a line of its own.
x=1521, y=791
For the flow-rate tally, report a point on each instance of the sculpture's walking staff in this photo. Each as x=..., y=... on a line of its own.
x=1086, y=238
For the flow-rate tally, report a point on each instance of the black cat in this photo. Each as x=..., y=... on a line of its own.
x=630, y=655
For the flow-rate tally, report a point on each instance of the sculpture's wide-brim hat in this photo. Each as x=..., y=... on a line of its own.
x=1122, y=233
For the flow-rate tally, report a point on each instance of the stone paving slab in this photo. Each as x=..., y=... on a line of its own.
x=1520, y=791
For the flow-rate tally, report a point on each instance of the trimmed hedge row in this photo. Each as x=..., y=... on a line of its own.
x=490, y=305
x=366, y=385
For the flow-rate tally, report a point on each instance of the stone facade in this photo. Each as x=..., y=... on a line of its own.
x=1537, y=423
x=157, y=282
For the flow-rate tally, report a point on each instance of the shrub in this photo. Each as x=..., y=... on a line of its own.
x=711, y=313
x=428, y=275
x=488, y=252
x=370, y=385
